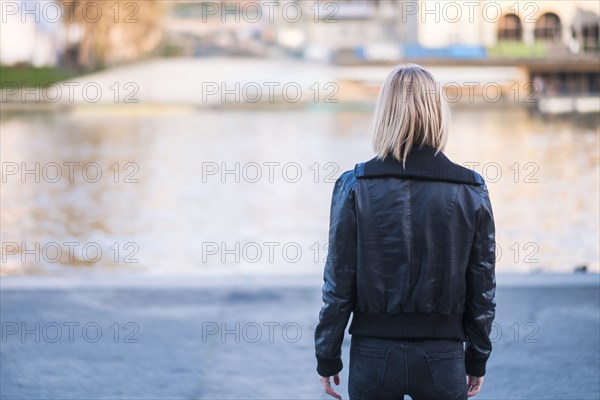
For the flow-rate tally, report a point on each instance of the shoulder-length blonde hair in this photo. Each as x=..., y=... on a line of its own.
x=410, y=111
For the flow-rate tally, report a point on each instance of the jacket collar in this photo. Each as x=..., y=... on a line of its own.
x=421, y=163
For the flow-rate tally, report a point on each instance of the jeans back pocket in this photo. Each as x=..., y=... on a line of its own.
x=448, y=374
x=367, y=369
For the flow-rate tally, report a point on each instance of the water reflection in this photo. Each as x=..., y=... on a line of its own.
x=184, y=191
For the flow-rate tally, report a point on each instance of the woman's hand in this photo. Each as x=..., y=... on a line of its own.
x=474, y=385
x=327, y=386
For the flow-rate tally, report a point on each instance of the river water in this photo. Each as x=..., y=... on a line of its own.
x=179, y=191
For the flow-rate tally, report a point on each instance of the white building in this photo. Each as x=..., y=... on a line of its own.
x=27, y=37
x=552, y=28
x=572, y=24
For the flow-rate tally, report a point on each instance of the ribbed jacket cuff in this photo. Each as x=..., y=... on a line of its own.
x=475, y=366
x=329, y=366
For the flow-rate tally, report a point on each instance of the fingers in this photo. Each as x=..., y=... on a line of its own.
x=473, y=385
x=333, y=393
x=336, y=379
x=473, y=391
x=327, y=386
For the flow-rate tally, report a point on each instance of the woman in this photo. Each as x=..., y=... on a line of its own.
x=411, y=256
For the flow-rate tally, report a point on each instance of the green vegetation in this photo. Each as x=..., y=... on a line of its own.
x=32, y=76
x=507, y=49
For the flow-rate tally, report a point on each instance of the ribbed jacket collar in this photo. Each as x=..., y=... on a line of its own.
x=421, y=163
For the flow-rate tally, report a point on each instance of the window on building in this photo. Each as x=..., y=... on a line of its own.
x=591, y=37
x=510, y=28
x=548, y=28
x=586, y=30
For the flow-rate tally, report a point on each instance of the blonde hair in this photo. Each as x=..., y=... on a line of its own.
x=410, y=111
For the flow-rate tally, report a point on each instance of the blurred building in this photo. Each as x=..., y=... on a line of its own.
x=83, y=34
x=516, y=29
x=342, y=31
x=350, y=31
x=204, y=28
x=409, y=29
x=552, y=46
x=363, y=31
x=546, y=53
x=27, y=39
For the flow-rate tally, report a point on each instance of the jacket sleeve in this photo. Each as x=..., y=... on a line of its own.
x=480, y=307
x=339, y=278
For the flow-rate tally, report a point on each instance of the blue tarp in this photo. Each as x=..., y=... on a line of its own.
x=462, y=52
x=456, y=51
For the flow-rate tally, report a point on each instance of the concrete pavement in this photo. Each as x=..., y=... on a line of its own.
x=252, y=338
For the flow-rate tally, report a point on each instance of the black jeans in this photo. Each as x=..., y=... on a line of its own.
x=382, y=369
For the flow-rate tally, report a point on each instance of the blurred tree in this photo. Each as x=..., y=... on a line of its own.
x=101, y=33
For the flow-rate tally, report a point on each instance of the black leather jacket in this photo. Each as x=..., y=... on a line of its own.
x=411, y=255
